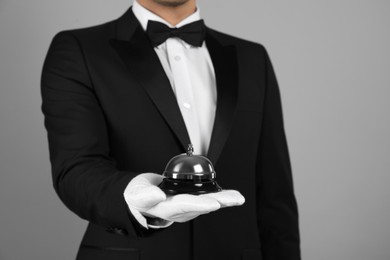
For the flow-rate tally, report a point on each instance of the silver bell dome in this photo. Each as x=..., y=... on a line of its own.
x=189, y=173
x=190, y=167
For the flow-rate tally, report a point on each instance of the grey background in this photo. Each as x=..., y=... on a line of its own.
x=332, y=60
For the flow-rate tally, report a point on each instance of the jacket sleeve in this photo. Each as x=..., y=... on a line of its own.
x=84, y=175
x=278, y=213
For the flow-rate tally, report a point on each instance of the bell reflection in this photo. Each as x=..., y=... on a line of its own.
x=189, y=173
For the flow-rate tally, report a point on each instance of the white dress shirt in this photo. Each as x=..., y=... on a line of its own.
x=191, y=74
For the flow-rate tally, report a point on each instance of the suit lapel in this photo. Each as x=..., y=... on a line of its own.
x=138, y=54
x=224, y=58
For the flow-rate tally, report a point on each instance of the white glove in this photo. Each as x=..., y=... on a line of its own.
x=144, y=198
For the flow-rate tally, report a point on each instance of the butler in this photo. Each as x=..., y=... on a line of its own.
x=120, y=99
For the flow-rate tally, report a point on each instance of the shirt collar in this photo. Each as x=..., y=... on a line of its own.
x=144, y=15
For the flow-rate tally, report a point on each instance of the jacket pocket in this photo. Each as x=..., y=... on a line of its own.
x=89, y=252
x=251, y=254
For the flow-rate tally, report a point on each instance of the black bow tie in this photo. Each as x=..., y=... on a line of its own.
x=192, y=33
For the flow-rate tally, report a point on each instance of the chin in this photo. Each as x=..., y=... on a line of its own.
x=172, y=3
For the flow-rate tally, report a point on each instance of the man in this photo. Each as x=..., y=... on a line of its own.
x=122, y=98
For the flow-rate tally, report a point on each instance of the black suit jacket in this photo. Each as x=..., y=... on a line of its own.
x=110, y=114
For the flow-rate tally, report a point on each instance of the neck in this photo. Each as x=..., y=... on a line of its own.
x=171, y=14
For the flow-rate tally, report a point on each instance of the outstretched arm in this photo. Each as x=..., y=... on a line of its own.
x=84, y=175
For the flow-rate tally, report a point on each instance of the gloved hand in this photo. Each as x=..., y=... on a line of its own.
x=143, y=196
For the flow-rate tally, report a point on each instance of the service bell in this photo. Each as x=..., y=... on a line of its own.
x=189, y=173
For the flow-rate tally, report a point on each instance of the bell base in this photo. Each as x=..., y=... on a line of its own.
x=174, y=187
